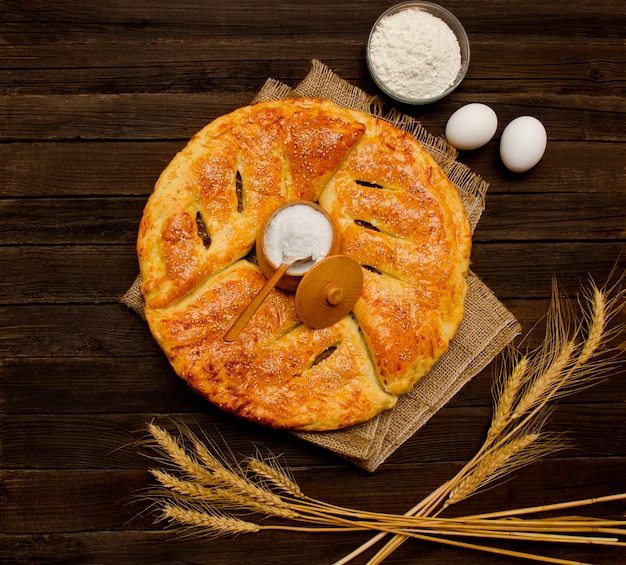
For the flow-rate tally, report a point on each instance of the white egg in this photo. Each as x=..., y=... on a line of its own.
x=523, y=144
x=471, y=126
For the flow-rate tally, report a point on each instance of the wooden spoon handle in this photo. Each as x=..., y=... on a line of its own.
x=244, y=317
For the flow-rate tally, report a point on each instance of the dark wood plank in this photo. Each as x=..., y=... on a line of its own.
x=103, y=499
x=161, y=65
x=512, y=217
x=63, y=221
x=162, y=548
x=90, y=273
x=520, y=217
x=113, y=441
x=76, y=385
x=74, y=330
x=42, y=170
x=74, y=274
x=324, y=17
x=109, y=441
x=161, y=116
x=513, y=269
x=565, y=168
x=128, y=385
x=82, y=491
x=82, y=169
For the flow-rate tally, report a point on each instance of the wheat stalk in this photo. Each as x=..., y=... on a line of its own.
x=547, y=379
x=181, y=486
x=210, y=525
x=506, y=398
x=202, y=485
x=491, y=467
x=274, y=475
x=176, y=454
x=597, y=320
x=553, y=370
x=186, y=505
x=212, y=481
x=219, y=497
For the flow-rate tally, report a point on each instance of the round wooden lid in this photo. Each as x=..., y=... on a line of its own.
x=329, y=290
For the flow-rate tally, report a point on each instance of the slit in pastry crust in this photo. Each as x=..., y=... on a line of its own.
x=368, y=184
x=366, y=225
x=239, y=192
x=203, y=232
x=324, y=355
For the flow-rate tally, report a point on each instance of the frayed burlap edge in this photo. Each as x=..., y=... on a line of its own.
x=487, y=326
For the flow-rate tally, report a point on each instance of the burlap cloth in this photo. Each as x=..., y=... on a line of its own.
x=486, y=328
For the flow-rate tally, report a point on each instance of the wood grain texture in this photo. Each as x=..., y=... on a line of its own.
x=96, y=99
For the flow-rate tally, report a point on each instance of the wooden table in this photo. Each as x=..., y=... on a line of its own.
x=96, y=98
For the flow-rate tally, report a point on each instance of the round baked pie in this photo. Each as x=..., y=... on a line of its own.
x=398, y=215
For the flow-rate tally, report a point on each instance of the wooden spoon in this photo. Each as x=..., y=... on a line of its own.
x=244, y=317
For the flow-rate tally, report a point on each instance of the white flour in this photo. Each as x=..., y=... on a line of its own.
x=415, y=53
x=298, y=231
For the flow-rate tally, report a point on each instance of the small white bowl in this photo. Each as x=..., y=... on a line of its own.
x=452, y=22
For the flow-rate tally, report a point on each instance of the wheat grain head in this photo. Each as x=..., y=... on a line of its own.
x=203, y=522
x=272, y=474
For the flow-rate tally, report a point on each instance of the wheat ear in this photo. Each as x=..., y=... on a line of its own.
x=181, y=486
x=596, y=323
x=506, y=398
x=178, y=455
x=494, y=464
x=215, y=496
x=272, y=474
x=211, y=525
x=546, y=380
x=550, y=374
x=211, y=472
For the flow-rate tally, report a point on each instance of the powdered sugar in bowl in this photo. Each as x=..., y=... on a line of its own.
x=297, y=229
x=417, y=52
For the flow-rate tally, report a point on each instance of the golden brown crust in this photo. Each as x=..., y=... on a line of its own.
x=399, y=216
x=410, y=229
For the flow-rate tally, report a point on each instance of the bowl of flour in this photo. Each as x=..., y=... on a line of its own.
x=417, y=52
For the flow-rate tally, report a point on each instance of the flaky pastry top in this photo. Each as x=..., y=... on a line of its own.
x=398, y=215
